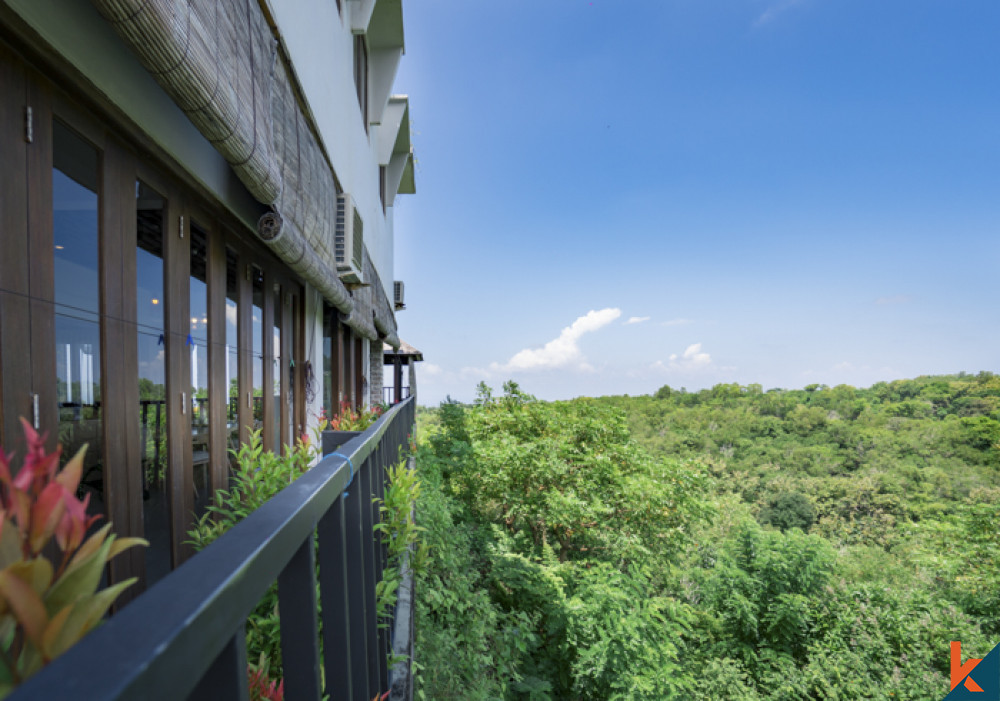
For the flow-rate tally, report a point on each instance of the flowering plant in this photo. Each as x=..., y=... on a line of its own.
x=350, y=420
x=44, y=609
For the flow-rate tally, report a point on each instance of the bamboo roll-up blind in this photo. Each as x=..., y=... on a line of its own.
x=308, y=200
x=372, y=317
x=291, y=246
x=384, y=319
x=217, y=60
x=214, y=58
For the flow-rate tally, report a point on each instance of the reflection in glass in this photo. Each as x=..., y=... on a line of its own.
x=232, y=350
x=257, y=355
x=198, y=345
x=77, y=294
x=276, y=368
x=151, y=342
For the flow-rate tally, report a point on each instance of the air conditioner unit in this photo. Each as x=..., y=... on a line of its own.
x=397, y=293
x=349, y=245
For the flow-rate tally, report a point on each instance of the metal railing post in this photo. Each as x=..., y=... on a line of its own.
x=333, y=594
x=299, y=627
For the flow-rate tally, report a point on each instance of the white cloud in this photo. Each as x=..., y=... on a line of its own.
x=637, y=319
x=893, y=299
x=691, y=359
x=678, y=322
x=561, y=352
x=774, y=10
x=431, y=369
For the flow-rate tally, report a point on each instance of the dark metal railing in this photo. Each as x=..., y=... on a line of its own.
x=184, y=638
x=389, y=394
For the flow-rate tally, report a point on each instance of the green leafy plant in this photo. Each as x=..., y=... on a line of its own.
x=47, y=607
x=257, y=477
x=399, y=532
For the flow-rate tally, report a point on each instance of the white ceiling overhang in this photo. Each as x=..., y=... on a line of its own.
x=395, y=151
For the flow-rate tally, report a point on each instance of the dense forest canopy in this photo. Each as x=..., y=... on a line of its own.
x=823, y=543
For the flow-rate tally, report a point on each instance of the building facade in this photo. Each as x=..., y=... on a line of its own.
x=196, y=236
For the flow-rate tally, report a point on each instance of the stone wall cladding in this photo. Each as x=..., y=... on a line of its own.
x=376, y=369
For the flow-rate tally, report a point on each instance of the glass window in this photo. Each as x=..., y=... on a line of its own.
x=257, y=353
x=151, y=337
x=276, y=367
x=198, y=346
x=232, y=348
x=77, y=305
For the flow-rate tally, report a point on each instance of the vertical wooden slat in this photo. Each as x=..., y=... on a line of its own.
x=333, y=593
x=299, y=627
x=125, y=175
x=218, y=392
x=397, y=378
x=226, y=679
x=336, y=363
x=119, y=368
x=359, y=372
x=15, y=370
x=349, y=385
x=177, y=271
x=41, y=282
x=298, y=354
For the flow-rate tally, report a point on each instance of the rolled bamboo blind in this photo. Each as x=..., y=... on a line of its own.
x=214, y=58
x=218, y=61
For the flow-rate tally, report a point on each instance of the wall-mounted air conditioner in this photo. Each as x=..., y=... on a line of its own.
x=349, y=245
x=397, y=294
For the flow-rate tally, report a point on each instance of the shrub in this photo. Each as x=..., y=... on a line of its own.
x=789, y=510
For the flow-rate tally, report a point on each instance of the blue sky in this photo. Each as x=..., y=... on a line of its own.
x=782, y=192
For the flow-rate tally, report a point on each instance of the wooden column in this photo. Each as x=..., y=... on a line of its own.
x=177, y=320
x=359, y=372
x=15, y=319
x=40, y=260
x=397, y=378
x=336, y=364
x=218, y=392
x=245, y=333
x=119, y=363
x=349, y=385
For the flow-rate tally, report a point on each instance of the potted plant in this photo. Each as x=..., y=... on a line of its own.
x=346, y=425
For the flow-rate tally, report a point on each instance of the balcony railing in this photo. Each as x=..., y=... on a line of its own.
x=184, y=638
x=389, y=394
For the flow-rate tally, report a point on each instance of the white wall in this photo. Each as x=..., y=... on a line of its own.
x=320, y=44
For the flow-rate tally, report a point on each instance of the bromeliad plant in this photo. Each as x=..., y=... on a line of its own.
x=46, y=608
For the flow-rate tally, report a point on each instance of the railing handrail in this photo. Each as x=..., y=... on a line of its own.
x=161, y=645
